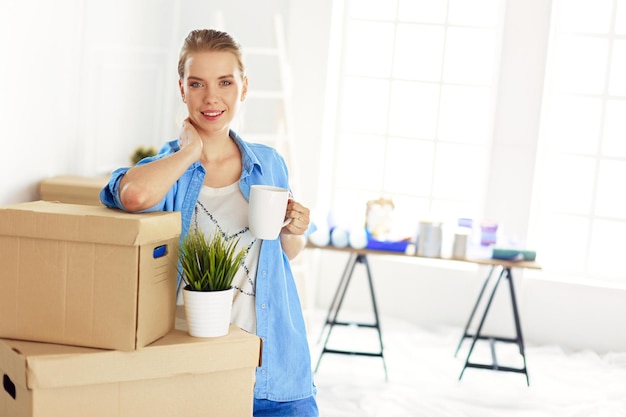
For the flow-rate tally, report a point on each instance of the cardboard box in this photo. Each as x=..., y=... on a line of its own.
x=177, y=376
x=86, y=275
x=73, y=189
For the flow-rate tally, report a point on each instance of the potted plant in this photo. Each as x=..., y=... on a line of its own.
x=142, y=152
x=208, y=267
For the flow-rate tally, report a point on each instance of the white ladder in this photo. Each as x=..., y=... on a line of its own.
x=281, y=138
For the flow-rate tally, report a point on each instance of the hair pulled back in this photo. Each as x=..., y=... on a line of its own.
x=203, y=40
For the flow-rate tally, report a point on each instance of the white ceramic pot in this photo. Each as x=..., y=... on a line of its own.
x=208, y=313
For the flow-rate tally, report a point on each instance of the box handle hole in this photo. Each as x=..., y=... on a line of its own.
x=159, y=251
x=8, y=385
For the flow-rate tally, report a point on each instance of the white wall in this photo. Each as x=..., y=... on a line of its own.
x=85, y=81
x=41, y=61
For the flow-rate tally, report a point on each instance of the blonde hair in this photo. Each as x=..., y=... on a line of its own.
x=202, y=40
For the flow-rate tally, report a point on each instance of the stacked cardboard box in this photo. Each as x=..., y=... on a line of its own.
x=73, y=189
x=87, y=313
x=87, y=275
x=176, y=376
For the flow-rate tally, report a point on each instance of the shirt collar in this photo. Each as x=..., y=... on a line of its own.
x=249, y=159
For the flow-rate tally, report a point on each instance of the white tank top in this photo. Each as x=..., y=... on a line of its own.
x=226, y=210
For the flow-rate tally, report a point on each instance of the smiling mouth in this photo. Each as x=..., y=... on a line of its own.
x=211, y=113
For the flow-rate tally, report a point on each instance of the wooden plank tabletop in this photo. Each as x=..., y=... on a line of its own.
x=480, y=261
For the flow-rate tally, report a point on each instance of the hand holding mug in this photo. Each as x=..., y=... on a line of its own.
x=300, y=218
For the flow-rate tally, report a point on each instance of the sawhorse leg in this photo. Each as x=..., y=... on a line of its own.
x=471, y=317
x=335, y=307
x=518, y=339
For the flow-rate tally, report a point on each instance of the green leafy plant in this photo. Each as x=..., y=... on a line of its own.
x=142, y=152
x=209, y=264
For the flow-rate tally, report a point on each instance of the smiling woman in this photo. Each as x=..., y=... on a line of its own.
x=207, y=174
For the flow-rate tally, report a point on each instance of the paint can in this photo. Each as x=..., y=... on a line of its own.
x=429, y=239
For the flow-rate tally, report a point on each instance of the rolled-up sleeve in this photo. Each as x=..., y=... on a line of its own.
x=110, y=194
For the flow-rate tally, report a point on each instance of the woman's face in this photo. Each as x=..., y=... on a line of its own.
x=213, y=89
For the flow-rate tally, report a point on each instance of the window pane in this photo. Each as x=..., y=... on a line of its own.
x=465, y=114
x=614, y=141
x=474, y=12
x=424, y=11
x=451, y=210
x=360, y=161
x=585, y=16
x=620, y=18
x=419, y=52
x=372, y=9
x=409, y=166
x=611, y=197
x=606, y=249
x=349, y=206
x=580, y=64
x=469, y=56
x=617, y=82
x=556, y=249
x=368, y=48
x=583, y=133
x=364, y=107
x=568, y=185
x=574, y=124
x=407, y=213
x=423, y=137
x=459, y=171
x=413, y=109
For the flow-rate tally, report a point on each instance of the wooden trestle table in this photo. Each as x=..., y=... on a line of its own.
x=505, y=268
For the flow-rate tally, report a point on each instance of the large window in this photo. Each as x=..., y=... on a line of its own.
x=579, y=217
x=416, y=102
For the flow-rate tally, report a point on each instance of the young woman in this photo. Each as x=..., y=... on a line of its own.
x=206, y=174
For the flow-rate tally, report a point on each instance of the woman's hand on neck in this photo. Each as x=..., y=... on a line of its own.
x=189, y=139
x=208, y=146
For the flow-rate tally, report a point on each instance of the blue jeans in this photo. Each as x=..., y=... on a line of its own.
x=300, y=408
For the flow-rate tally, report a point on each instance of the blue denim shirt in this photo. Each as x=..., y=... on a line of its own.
x=285, y=371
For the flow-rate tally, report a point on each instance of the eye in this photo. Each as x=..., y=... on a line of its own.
x=195, y=84
x=225, y=83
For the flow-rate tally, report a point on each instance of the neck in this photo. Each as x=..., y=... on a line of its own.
x=217, y=148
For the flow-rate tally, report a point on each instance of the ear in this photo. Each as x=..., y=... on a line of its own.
x=182, y=90
x=244, y=90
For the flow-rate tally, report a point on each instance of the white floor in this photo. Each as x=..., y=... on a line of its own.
x=423, y=377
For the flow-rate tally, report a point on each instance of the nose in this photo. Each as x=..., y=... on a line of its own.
x=210, y=94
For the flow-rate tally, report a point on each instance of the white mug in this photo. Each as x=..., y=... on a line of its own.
x=266, y=211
